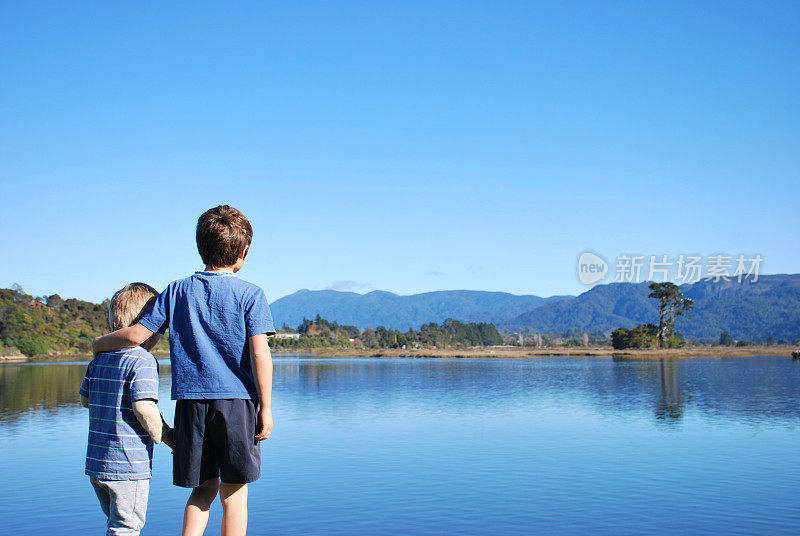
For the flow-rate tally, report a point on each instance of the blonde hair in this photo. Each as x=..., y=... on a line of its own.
x=129, y=305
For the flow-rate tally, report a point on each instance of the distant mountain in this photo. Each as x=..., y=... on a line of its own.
x=601, y=308
x=390, y=310
x=751, y=311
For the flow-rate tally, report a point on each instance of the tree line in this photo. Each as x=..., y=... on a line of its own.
x=322, y=333
x=46, y=325
x=55, y=325
x=50, y=324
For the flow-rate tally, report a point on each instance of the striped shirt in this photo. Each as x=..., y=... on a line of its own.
x=119, y=448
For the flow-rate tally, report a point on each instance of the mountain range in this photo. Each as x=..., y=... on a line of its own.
x=380, y=308
x=755, y=311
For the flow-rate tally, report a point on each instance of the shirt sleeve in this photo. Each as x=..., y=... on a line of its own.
x=144, y=380
x=84, y=390
x=258, y=317
x=156, y=319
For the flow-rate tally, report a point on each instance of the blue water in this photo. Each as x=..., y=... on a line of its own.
x=457, y=446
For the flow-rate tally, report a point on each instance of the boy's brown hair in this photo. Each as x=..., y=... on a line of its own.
x=129, y=305
x=222, y=234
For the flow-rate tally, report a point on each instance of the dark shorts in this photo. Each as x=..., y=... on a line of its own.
x=215, y=438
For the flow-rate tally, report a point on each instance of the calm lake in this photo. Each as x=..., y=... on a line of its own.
x=456, y=446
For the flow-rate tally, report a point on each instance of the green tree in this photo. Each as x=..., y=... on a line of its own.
x=671, y=304
x=31, y=346
x=55, y=301
x=643, y=336
x=725, y=339
x=619, y=338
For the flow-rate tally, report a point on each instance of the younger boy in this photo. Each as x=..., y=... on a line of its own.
x=221, y=371
x=121, y=390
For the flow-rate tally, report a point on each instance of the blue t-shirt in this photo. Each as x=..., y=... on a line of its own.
x=210, y=316
x=119, y=448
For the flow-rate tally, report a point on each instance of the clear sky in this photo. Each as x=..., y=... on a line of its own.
x=402, y=146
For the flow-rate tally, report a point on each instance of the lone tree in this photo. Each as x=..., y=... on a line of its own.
x=725, y=339
x=671, y=304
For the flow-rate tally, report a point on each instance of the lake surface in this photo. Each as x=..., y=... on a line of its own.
x=456, y=446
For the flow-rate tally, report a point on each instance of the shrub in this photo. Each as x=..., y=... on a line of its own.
x=674, y=341
x=31, y=346
x=643, y=336
x=619, y=338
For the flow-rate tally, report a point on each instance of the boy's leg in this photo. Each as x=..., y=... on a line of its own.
x=102, y=494
x=195, y=516
x=234, y=509
x=194, y=460
x=127, y=506
x=194, y=463
x=234, y=428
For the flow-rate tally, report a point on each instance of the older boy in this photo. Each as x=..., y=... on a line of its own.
x=221, y=371
x=121, y=390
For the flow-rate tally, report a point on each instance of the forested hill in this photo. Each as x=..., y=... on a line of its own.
x=769, y=308
x=393, y=311
x=62, y=325
x=749, y=311
x=47, y=325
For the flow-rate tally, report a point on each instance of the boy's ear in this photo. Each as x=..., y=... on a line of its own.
x=243, y=254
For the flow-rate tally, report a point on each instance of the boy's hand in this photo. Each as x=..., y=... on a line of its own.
x=167, y=435
x=264, y=425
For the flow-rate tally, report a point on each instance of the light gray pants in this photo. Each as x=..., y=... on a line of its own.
x=124, y=502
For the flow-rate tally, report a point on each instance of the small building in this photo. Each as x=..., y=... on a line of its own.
x=287, y=335
x=36, y=305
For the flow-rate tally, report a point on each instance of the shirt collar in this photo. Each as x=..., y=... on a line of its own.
x=214, y=274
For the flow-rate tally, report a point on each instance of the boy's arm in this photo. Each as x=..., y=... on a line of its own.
x=261, y=360
x=149, y=417
x=150, y=343
x=122, y=338
x=143, y=385
x=83, y=392
x=167, y=434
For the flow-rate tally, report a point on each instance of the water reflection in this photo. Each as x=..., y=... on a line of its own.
x=751, y=388
x=670, y=406
x=25, y=388
x=459, y=446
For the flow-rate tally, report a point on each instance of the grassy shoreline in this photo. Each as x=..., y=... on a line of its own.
x=605, y=351
x=494, y=352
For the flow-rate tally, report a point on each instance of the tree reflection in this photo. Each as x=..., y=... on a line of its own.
x=671, y=404
x=26, y=388
x=752, y=389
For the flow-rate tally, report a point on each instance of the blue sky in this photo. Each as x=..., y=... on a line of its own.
x=406, y=147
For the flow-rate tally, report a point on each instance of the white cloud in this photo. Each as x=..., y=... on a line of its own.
x=347, y=285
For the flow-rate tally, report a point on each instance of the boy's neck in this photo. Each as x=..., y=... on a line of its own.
x=229, y=269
